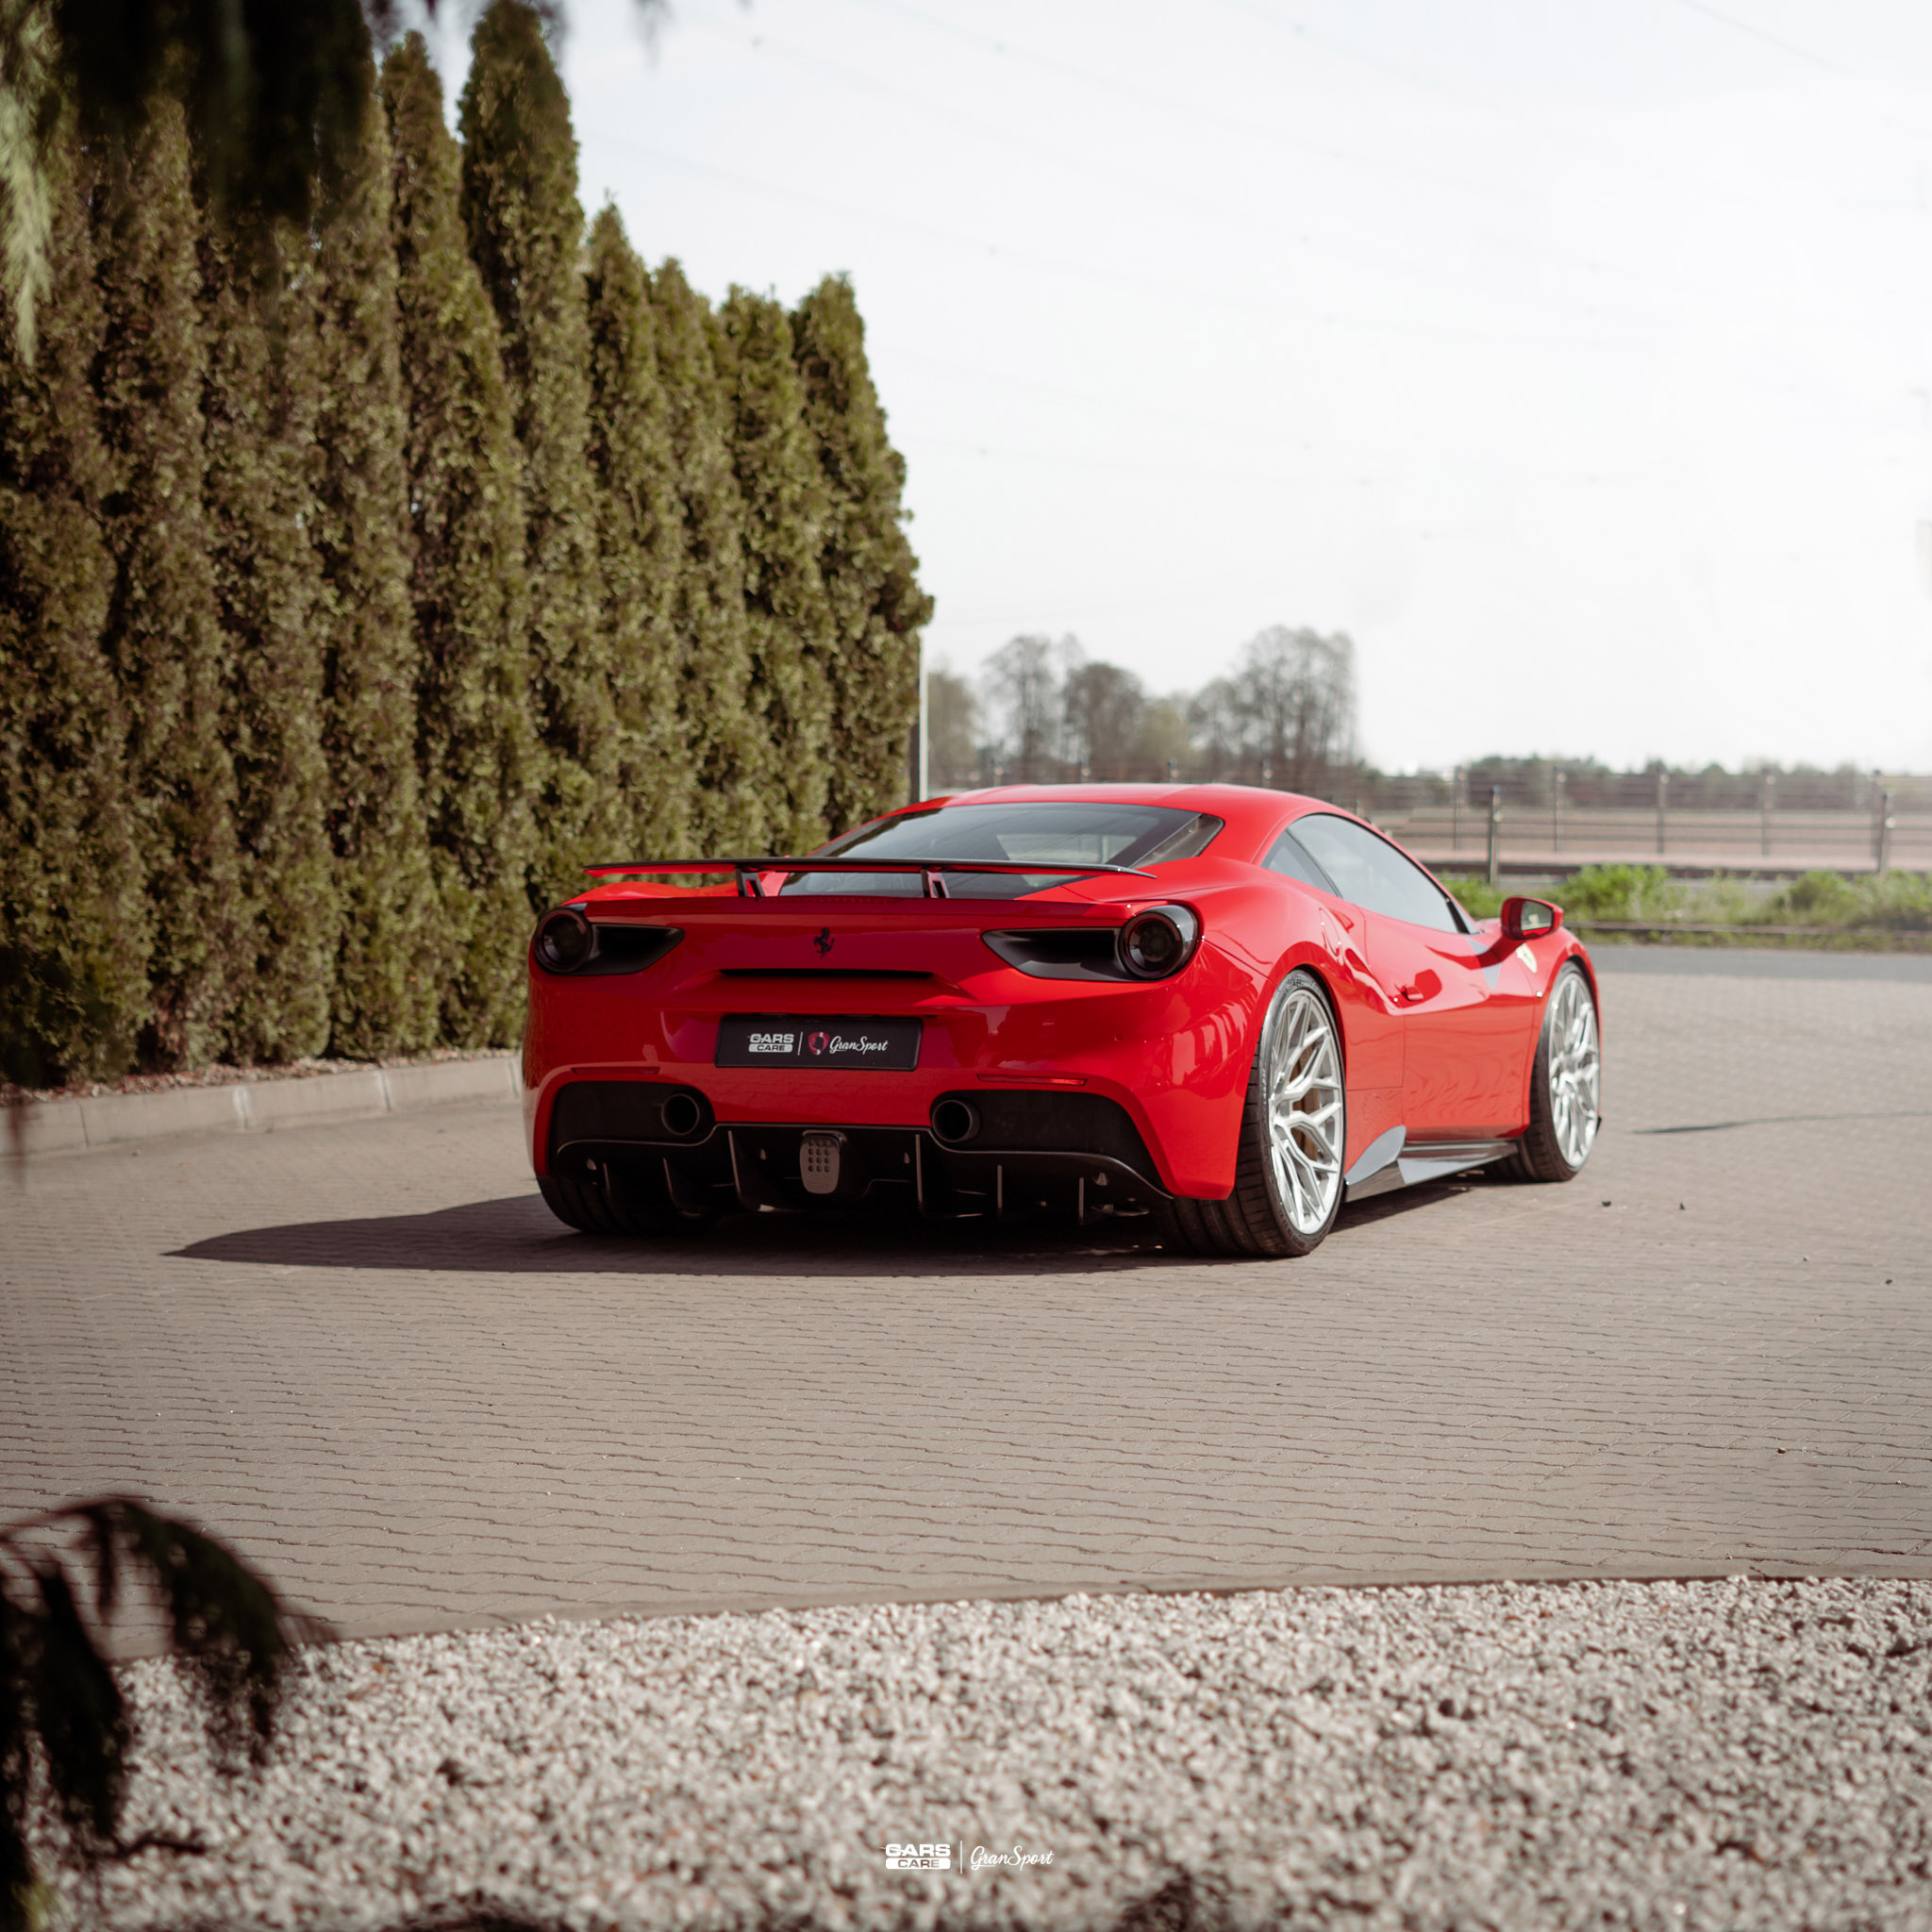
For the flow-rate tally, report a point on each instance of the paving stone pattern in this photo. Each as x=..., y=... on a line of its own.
x=365, y=1354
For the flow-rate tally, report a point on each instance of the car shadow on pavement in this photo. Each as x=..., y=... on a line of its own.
x=518, y=1235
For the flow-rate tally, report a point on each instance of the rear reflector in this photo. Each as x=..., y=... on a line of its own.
x=1033, y=1079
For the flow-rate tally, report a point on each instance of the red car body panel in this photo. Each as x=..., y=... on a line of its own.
x=1439, y=1029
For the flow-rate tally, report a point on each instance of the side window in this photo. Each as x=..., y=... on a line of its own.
x=1288, y=857
x=1370, y=870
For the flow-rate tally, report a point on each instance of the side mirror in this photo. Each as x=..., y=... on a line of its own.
x=1529, y=919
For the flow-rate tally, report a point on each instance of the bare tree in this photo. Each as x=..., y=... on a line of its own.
x=1023, y=684
x=1286, y=716
x=952, y=716
x=1102, y=708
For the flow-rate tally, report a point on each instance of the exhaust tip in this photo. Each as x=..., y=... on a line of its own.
x=956, y=1121
x=682, y=1116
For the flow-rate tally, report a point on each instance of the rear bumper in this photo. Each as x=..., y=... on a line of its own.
x=1032, y=1154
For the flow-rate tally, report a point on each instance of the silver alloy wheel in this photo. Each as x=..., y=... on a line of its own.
x=1575, y=1069
x=1303, y=1085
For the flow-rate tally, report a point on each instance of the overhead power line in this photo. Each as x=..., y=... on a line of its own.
x=1217, y=118
x=1563, y=132
x=920, y=105
x=1764, y=34
x=1217, y=303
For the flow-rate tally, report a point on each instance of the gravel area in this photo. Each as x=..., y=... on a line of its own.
x=1721, y=1755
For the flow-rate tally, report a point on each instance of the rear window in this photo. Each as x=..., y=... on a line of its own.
x=1051, y=832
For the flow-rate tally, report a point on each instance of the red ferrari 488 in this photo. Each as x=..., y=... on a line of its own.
x=1224, y=1010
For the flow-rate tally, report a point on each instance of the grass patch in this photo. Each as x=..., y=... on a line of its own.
x=1840, y=912
x=1895, y=902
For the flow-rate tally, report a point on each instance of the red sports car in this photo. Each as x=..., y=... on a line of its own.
x=1223, y=1009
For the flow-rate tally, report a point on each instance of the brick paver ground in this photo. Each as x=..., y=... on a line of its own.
x=367, y=1354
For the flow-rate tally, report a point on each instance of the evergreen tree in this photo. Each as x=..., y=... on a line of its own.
x=527, y=228
x=871, y=574
x=259, y=413
x=708, y=608
x=73, y=927
x=787, y=618
x=475, y=744
x=384, y=996
x=640, y=542
x=161, y=634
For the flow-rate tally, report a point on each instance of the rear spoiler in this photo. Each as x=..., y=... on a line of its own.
x=930, y=870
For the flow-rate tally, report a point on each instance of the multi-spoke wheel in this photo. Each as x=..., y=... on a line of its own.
x=1565, y=1085
x=1287, y=1181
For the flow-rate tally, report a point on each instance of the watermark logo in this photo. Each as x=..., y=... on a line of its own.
x=985, y=1859
x=919, y=1857
x=770, y=1043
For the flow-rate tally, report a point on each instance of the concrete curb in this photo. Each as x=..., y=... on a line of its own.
x=254, y=1107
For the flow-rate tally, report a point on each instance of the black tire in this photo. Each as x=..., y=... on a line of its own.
x=1255, y=1219
x=575, y=1205
x=619, y=1203
x=1540, y=1154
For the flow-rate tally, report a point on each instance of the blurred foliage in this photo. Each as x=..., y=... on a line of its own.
x=274, y=95
x=64, y=1730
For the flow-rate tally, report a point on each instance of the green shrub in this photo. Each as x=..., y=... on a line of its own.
x=1619, y=892
x=1479, y=899
x=1818, y=898
x=1899, y=901
x=1895, y=902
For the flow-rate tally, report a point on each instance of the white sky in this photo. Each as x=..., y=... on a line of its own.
x=1575, y=355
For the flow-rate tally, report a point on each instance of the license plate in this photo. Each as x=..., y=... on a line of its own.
x=808, y=1039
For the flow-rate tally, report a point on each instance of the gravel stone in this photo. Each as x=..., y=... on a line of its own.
x=1723, y=1754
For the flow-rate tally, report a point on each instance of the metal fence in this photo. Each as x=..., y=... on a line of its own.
x=1687, y=840
x=1832, y=821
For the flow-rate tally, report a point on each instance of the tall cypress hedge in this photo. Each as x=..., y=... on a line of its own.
x=385, y=998
x=73, y=924
x=527, y=229
x=640, y=539
x=707, y=614
x=260, y=408
x=788, y=616
x=357, y=589
x=474, y=746
x=870, y=572
x=161, y=634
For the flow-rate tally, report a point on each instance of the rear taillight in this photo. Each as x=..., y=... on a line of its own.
x=567, y=941
x=1156, y=944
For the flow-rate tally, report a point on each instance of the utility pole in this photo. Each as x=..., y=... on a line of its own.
x=1495, y=831
x=1663, y=801
x=1767, y=798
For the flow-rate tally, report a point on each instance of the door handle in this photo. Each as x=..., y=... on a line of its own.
x=1412, y=993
